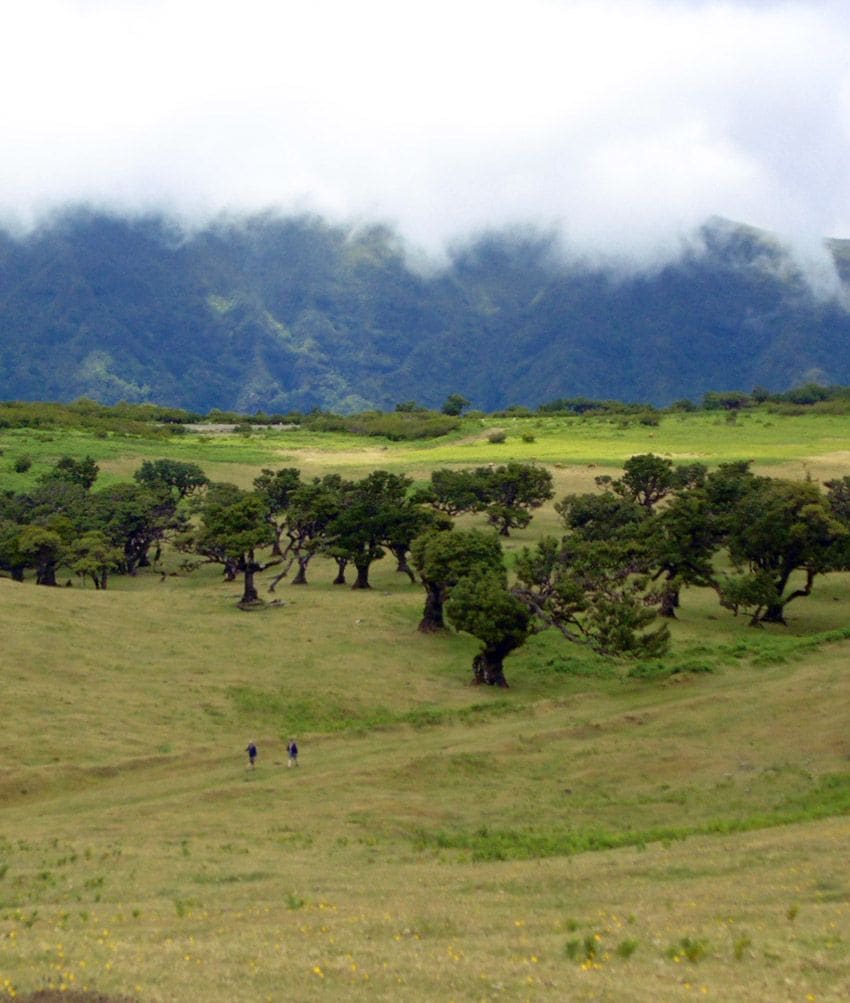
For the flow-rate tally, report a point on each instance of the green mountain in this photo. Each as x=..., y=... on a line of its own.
x=277, y=314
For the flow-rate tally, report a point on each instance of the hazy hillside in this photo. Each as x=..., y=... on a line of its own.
x=278, y=314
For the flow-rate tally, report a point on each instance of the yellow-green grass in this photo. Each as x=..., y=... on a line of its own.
x=587, y=835
x=128, y=807
x=816, y=445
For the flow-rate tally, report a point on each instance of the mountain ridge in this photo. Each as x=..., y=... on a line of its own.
x=282, y=313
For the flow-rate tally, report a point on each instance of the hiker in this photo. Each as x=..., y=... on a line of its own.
x=292, y=749
x=252, y=753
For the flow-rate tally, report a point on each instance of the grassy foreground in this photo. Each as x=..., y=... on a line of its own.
x=588, y=835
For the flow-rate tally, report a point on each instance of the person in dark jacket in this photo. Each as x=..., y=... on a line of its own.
x=292, y=749
x=252, y=753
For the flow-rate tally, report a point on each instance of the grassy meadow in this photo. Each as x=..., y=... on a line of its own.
x=601, y=831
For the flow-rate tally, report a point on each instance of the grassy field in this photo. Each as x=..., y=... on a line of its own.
x=592, y=834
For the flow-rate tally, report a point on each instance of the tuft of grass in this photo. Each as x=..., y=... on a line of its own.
x=582, y=949
x=663, y=670
x=626, y=948
x=692, y=949
x=741, y=946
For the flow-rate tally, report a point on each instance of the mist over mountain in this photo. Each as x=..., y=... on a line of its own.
x=276, y=313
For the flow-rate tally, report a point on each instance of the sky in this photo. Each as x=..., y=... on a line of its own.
x=622, y=125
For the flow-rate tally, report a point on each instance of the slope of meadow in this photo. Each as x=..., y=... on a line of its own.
x=586, y=835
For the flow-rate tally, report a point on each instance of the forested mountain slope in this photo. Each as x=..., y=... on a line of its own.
x=279, y=313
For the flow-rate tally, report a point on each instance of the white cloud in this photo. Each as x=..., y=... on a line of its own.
x=624, y=123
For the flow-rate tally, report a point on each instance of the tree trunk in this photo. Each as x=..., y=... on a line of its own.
x=249, y=592
x=774, y=614
x=301, y=574
x=341, y=564
x=669, y=600
x=362, y=580
x=400, y=554
x=488, y=668
x=432, y=615
x=46, y=573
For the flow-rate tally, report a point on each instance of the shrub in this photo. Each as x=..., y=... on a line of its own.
x=395, y=425
x=496, y=436
x=626, y=948
x=689, y=948
x=22, y=463
x=661, y=670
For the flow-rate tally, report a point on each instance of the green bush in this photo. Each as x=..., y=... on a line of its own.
x=397, y=426
x=662, y=670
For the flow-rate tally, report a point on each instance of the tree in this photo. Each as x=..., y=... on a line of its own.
x=648, y=478
x=726, y=400
x=838, y=497
x=176, y=475
x=592, y=591
x=47, y=500
x=455, y=405
x=404, y=523
x=512, y=491
x=233, y=531
x=277, y=488
x=455, y=491
x=443, y=558
x=674, y=545
x=359, y=531
x=724, y=489
x=682, y=541
x=505, y=493
x=135, y=518
x=92, y=556
x=219, y=494
x=43, y=549
x=311, y=508
x=11, y=557
x=600, y=516
x=82, y=472
x=481, y=605
x=781, y=527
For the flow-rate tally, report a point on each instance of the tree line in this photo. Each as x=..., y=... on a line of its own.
x=610, y=579
x=409, y=420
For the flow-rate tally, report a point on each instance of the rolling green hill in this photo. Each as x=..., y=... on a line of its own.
x=275, y=314
x=592, y=834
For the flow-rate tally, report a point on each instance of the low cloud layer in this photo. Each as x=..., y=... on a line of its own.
x=623, y=124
